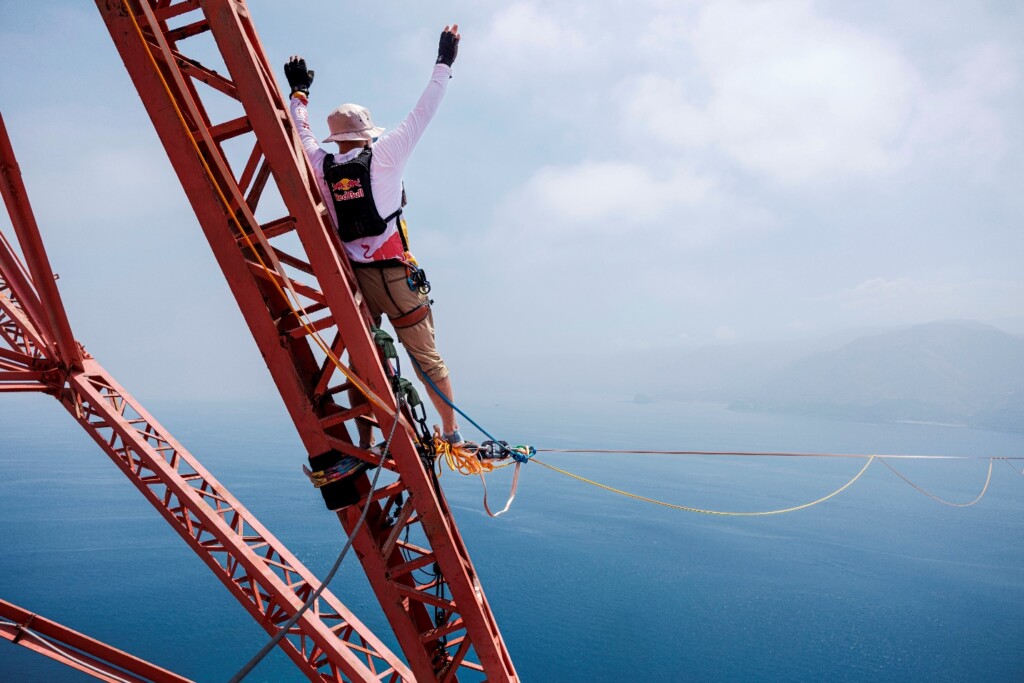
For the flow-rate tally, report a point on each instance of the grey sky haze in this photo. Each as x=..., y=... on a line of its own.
x=604, y=175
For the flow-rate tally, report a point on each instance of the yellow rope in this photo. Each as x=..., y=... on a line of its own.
x=936, y=498
x=302, y=318
x=459, y=459
x=700, y=510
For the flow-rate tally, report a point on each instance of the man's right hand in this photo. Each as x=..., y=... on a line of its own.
x=448, y=48
x=299, y=78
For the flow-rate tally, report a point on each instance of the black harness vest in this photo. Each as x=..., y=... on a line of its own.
x=349, y=185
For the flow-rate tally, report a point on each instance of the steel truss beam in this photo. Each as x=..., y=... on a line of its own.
x=77, y=650
x=328, y=643
x=42, y=291
x=439, y=624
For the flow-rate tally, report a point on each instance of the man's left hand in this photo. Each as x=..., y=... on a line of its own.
x=448, y=48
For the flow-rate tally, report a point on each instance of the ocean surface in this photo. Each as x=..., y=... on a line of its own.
x=880, y=583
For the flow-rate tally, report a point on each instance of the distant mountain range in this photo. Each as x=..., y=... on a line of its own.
x=956, y=372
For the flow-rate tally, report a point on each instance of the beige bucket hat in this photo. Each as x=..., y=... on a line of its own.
x=351, y=122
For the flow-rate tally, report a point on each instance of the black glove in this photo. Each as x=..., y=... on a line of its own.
x=448, y=48
x=298, y=77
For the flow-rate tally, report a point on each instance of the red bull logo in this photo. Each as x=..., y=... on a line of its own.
x=346, y=184
x=347, y=188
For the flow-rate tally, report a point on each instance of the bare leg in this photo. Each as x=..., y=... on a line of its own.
x=443, y=409
x=448, y=415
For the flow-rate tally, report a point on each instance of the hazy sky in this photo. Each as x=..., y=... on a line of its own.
x=604, y=176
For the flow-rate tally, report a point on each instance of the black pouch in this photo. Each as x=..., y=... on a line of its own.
x=341, y=493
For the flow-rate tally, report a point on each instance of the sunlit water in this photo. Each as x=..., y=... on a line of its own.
x=879, y=583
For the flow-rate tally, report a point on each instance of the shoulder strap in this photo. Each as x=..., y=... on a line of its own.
x=367, y=153
x=397, y=213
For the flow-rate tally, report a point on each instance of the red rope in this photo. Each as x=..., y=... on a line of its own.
x=780, y=454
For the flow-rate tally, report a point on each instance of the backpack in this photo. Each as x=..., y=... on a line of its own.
x=349, y=185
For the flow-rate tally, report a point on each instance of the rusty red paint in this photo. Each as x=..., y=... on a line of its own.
x=38, y=330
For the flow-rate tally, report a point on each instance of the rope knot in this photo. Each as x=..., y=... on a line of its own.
x=522, y=454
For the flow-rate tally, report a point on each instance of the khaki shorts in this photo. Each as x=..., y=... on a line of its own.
x=387, y=292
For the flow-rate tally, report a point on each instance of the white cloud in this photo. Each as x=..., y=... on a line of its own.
x=793, y=96
x=592, y=191
x=524, y=26
x=790, y=95
x=600, y=212
x=962, y=119
x=611, y=170
x=777, y=88
x=659, y=104
x=525, y=39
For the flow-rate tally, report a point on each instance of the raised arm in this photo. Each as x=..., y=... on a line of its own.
x=394, y=148
x=300, y=79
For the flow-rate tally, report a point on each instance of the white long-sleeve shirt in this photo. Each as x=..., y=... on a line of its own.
x=390, y=154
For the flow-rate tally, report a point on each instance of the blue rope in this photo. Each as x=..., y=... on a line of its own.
x=444, y=398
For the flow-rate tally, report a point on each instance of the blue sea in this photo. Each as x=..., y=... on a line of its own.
x=877, y=584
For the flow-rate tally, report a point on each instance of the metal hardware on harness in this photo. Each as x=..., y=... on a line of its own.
x=417, y=279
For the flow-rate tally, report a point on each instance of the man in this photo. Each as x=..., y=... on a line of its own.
x=362, y=184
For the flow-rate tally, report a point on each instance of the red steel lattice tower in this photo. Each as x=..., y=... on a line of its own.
x=38, y=353
x=304, y=338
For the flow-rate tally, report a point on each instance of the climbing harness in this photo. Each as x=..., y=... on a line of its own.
x=352, y=194
x=410, y=318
